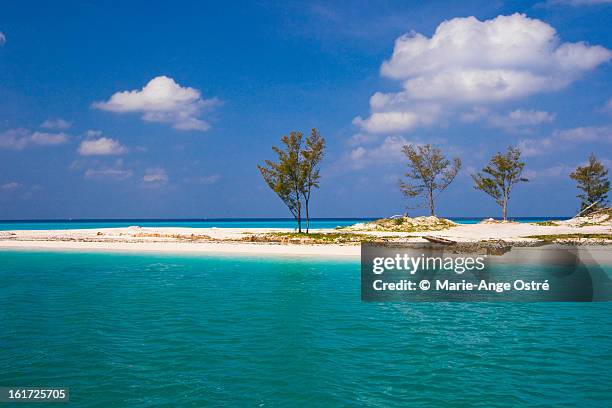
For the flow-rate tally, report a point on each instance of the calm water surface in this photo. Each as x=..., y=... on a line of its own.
x=143, y=330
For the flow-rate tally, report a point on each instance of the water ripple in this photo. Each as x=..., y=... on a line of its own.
x=129, y=330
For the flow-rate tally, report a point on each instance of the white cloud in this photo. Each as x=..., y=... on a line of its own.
x=10, y=185
x=56, y=124
x=362, y=138
x=163, y=100
x=397, y=121
x=547, y=173
x=155, y=175
x=47, y=139
x=115, y=173
x=471, y=60
x=96, y=169
x=535, y=147
x=2, y=38
x=519, y=120
x=476, y=114
x=468, y=62
x=101, y=147
x=522, y=117
x=93, y=133
x=562, y=139
x=586, y=134
x=211, y=179
x=389, y=151
x=19, y=139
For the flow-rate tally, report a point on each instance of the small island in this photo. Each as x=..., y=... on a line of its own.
x=593, y=229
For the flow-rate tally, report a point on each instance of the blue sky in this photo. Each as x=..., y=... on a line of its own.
x=163, y=110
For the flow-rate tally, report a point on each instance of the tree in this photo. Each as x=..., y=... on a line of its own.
x=296, y=173
x=500, y=175
x=286, y=177
x=311, y=158
x=430, y=171
x=592, y=179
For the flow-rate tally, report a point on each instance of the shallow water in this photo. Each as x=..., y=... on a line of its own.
x=149, y=330
x=217, y=223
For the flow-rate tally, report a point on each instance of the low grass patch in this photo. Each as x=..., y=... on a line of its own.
x=547, y=223
x=318, y=237
x=556, y=237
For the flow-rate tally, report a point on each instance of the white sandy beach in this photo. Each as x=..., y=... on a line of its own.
x=176, y=247
x=232, y=240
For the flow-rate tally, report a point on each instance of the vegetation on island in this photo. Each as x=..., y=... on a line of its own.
x=296, y=173
x=592, y=181
x=429, y=173
x=313, y=238
x=403, y=224
x=499, y=177
x=547, y=223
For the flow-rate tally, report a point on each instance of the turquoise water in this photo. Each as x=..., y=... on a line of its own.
x=218, y=223
x=143, y=330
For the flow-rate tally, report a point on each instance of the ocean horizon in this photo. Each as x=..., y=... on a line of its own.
x=315, y=223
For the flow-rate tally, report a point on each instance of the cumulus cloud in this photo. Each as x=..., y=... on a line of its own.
x=56, y=124
x=566, y=138
x=101, y=147
x=472, y=62
x=503, y=58
x=163, y=100
x=19, y=139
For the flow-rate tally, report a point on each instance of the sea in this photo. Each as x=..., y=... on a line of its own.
x=162, y=330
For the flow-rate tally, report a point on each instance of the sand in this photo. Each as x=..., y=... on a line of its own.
x=228, y=240
x=166, y=240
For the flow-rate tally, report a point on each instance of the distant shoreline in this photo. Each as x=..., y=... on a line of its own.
x=316, y=223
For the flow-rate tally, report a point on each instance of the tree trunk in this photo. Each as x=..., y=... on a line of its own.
x=432, y=210
x=505, y=210
x=299, y=219
x=307, y=216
